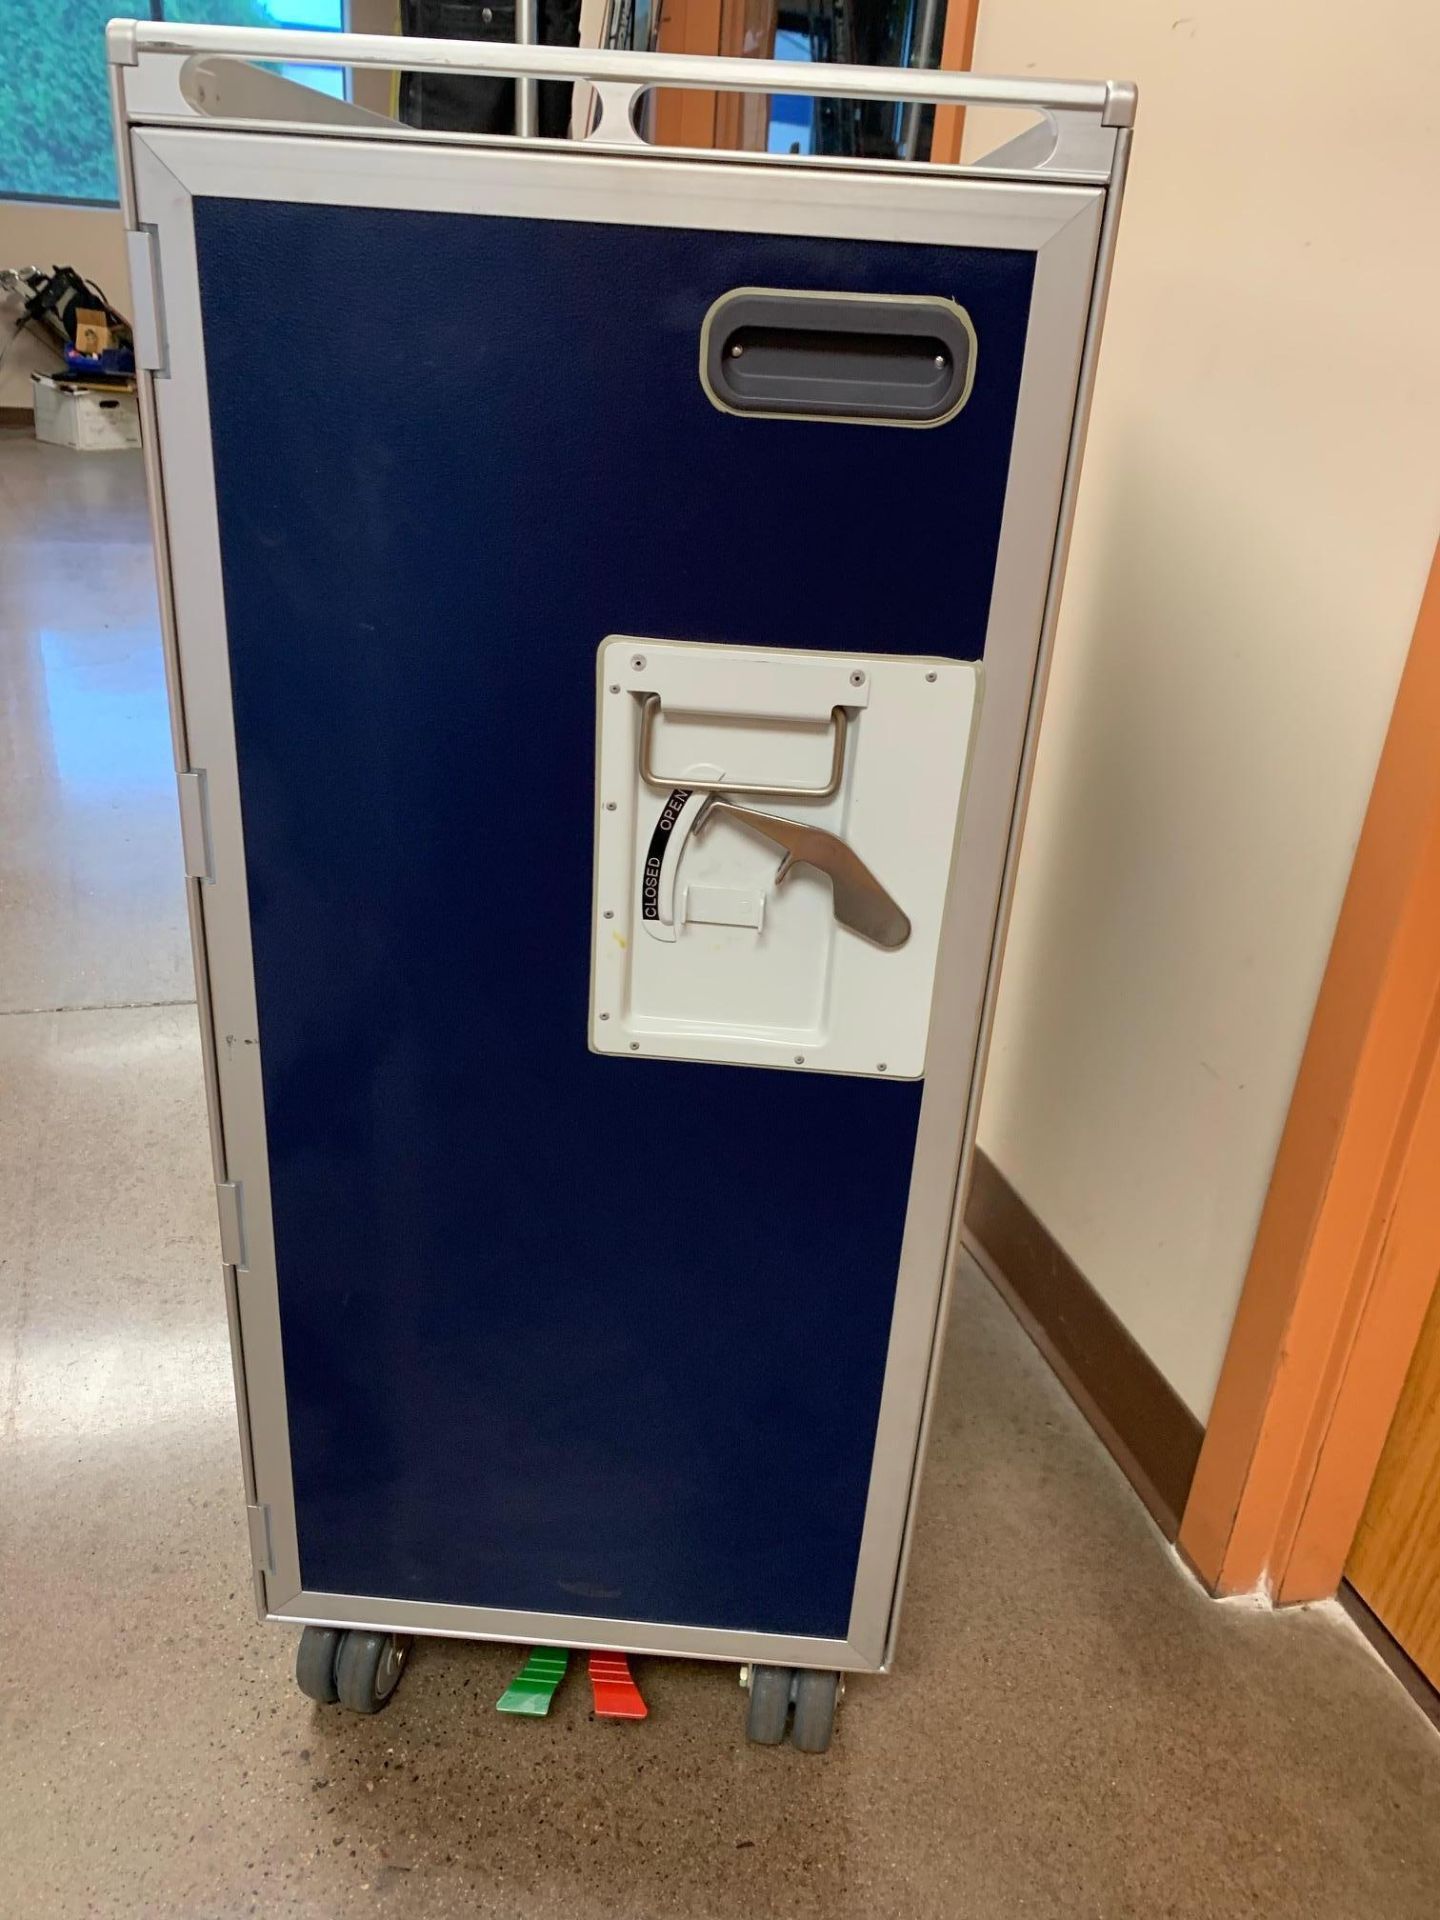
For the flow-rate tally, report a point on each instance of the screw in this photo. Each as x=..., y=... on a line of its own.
x=857, y=679
x=487, y=14
x=940, y=360
x=615, y=689
x=932, y=676
x=608, y=915
x=736, y=351
x=609, y=806
x=880, y=1066
x=604, y=1016
x=634, y=1046
x=637, y=662
x=799, y=1059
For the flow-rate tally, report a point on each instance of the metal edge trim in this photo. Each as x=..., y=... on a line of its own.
x=851, y=165
x=1122, y=103
x=155, y=501
x=660, y=1639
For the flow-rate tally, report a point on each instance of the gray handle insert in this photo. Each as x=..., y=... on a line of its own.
x=902, y=360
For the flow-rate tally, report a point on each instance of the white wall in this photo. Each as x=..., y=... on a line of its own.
x=1260, y=505
x=90, y=239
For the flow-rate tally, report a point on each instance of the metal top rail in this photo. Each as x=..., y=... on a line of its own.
x=1112, y=101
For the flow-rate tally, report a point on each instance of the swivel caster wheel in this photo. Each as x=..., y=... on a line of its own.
x=816, y=1697
x=770, y=1689
x=368, y=1668
x=359, y=1670
x=775, y=1691
x=315, y=1663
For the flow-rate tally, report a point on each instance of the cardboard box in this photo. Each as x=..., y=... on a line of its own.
x=92, y=332
x=69, y=413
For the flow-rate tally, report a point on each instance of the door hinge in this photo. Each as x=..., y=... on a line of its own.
x=262, y=1551
x=229, y=1196
x=147, y=322
x=194, y=791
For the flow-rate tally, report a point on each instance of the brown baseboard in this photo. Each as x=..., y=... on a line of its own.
x=1391, y=1652
x=17, y=417
x=1152, y=1434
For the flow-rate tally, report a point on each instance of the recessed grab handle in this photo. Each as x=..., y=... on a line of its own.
x=839, y=719
x=890, y=360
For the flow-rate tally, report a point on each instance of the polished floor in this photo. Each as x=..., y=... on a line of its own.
x=1072, y=1730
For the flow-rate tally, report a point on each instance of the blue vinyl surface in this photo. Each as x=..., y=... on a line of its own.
x=561, y=1333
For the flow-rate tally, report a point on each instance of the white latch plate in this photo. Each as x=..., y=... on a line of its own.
x=698, y=953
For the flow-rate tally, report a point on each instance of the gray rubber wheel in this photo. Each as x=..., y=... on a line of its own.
x=315, y=1663
x=368, y=1668
x=815, y=1697
x=769, y=1705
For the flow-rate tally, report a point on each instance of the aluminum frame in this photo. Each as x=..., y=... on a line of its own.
x=1081, y=119
x=165, y=159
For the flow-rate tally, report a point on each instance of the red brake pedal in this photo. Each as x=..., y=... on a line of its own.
x=616, y=1695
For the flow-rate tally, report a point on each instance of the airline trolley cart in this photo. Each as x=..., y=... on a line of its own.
x=607, y=595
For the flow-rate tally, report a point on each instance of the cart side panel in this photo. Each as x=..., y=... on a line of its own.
x=561, y=1333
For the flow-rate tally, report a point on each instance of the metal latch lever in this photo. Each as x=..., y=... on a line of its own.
x=861, y=903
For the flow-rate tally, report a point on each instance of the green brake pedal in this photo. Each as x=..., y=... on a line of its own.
x=533, y=1688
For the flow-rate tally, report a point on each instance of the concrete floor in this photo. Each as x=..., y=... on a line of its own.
x=1072, y=1729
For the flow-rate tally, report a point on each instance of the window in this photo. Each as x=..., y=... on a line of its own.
x=792, y=115
x=55, y=138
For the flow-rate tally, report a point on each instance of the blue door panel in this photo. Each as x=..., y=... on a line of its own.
x=561, y=1333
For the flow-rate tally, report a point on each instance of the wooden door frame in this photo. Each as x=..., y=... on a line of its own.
x=1348, y=1248
x=685, y=116
x=957, y=54
x=690, y=118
